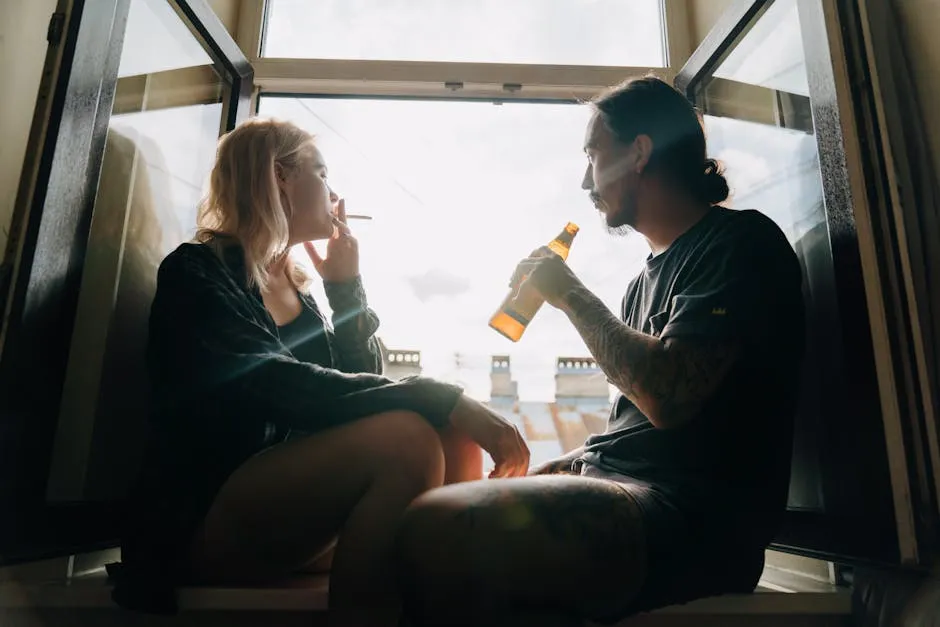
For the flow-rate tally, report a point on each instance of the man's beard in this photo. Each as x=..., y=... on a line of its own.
x=623, y=219
x=619, y=231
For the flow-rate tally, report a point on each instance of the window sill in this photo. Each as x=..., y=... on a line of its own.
x=309, y=594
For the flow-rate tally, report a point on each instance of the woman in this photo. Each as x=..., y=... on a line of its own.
x=274, y=434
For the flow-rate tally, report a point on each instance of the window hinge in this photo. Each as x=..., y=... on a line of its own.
x=56, y=28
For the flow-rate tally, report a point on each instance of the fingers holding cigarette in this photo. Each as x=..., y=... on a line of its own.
x=339, y=212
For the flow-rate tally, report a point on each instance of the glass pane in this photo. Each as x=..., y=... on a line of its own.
x=563, y=32
x=156, y=21
x=767, y=56
x=759, y=124
x=460, y=192
x=160, y=147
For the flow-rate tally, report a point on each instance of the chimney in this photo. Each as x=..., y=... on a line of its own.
x=401, y=363
x=578, y=378
x=502, y=387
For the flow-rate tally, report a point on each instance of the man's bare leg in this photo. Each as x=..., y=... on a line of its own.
x=491, y=551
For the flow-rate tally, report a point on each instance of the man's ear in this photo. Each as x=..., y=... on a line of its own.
x=643, y=150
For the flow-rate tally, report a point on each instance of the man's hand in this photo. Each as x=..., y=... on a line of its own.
x=559, y=465
x=494, y=434
x=341, y=263
x=547, y=273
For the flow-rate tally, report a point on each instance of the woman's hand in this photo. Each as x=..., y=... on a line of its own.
x=341, y=263
x=495, y=435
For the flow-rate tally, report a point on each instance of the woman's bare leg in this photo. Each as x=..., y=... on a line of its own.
x=463, y=461
x=284, y=507
x=463, y=458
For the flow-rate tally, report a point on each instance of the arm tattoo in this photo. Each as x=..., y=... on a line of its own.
x=668, y=381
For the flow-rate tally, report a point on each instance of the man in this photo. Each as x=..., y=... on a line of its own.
x=680, y=496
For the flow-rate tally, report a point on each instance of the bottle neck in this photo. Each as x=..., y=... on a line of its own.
x=562, y=243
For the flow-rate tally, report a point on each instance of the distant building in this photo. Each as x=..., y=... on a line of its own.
x=503, y=390
x=582, y=394
x=400, y=363
x=578, y=379
x=551, y=429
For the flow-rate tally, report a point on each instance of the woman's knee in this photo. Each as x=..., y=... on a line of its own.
x=463, y=457
x=405, y=447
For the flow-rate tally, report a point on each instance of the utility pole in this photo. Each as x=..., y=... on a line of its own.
x=458, y=369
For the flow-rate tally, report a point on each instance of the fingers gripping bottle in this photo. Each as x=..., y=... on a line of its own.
x=514, y=314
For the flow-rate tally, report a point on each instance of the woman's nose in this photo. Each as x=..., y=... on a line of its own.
x=334, y=197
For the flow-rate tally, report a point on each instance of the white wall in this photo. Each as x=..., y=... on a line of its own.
x=23, y=25
x=702, y=16
x=228, y=12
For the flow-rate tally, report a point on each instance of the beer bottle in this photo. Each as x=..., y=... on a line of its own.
x=514, y=315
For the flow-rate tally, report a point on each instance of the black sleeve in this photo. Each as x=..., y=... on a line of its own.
x=206, y=345
x=745, y=285
x=354, y=327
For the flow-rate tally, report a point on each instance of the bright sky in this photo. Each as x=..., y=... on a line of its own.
x=574, y=32
x=460, y=192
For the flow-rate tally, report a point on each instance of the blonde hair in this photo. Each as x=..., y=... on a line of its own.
x=244, y=201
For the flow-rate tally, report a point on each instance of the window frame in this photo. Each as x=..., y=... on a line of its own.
x=840, y=67
x=46, y=254
x=435, y=79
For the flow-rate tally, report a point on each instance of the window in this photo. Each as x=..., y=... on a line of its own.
x=401, y=96
x=561, y=32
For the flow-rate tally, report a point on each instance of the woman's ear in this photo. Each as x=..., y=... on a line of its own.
x=280, y=175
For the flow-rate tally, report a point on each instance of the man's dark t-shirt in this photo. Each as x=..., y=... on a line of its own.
x=732, y=277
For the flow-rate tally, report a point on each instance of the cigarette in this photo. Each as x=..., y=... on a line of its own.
x=357, y=216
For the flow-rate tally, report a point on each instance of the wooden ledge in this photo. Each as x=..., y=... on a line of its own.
x=309, y=594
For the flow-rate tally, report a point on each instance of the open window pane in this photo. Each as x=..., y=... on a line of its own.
x=767, y=56
x=560, y=32
x=460, y=192
x=156, y=21
x=759, y=125
x=768, y=108
x=776, y=170
x=161, y=141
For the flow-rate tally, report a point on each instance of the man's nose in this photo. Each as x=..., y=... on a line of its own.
x=587, y=183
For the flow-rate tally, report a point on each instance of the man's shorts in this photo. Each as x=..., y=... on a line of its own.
x=685, y=548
